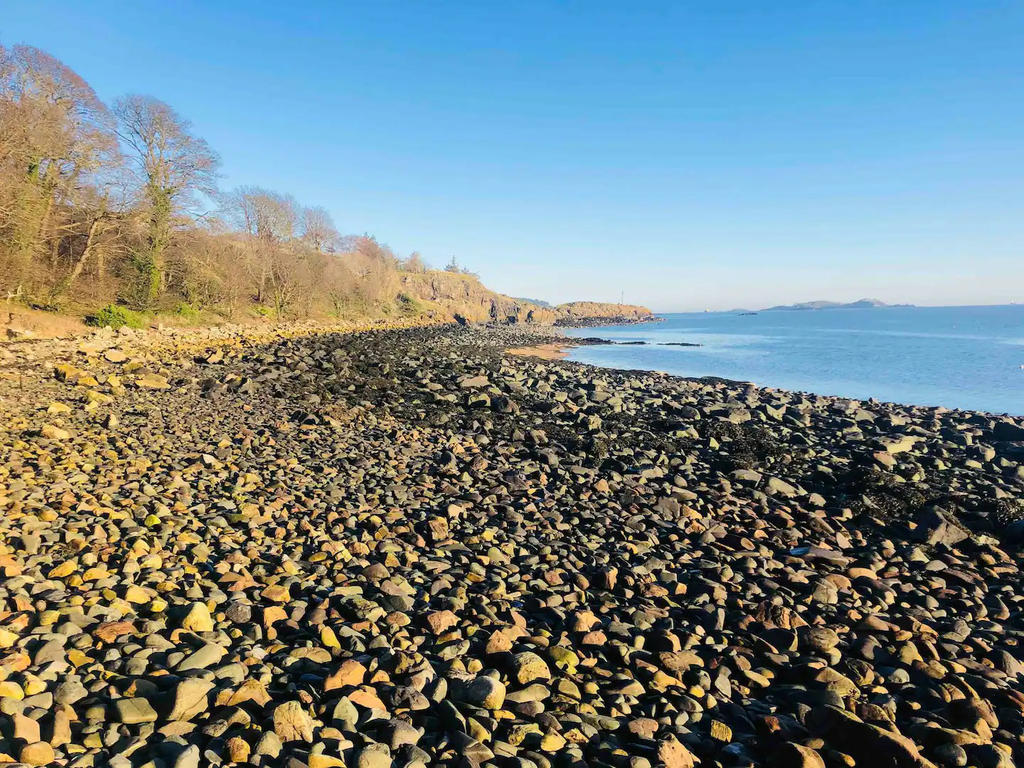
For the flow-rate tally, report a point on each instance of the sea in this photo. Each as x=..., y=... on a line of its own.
x=970, y=358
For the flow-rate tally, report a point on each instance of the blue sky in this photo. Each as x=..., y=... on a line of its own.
x=686, y=154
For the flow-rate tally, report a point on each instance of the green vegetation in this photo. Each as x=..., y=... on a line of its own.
x=409, y=306
x=118, y=207
x=188, y=313
x=116, y=316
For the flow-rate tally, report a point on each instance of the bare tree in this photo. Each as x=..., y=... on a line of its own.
x=375, y=265
x=414, y=263
x=173, y=165
x=264, y=214
x=269, y=219
x=96, y=227
x=99, y=220
x=340, y=286
x=86, y=192
x=54, y=133
x=296, y=276
x=318, y=229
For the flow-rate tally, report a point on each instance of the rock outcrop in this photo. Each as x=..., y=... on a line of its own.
x=595, y=313
x=461, y=297
x=454, y=296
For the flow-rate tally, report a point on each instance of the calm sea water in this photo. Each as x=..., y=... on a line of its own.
x=958, y=357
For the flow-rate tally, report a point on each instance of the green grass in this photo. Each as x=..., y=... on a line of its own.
x=188, y=313
x=409, y=306
x=116, y=316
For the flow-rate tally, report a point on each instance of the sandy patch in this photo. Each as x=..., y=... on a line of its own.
x=21, y=322
x=542, y=351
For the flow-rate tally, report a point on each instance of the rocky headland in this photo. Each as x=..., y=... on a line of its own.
x=593, y=313
x=405, y=547
x=443, y=296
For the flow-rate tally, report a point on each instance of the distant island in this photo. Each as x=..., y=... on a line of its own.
x=820, y=304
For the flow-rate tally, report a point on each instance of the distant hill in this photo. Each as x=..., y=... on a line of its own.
x=538, y=302
x=860, y=304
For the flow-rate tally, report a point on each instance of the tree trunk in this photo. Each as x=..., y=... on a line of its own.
x=49, y=187
x=26, y=231
x=150, y=264
x=65, y=285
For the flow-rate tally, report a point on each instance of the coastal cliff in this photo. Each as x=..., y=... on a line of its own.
x=593, y=312
x=462, y=297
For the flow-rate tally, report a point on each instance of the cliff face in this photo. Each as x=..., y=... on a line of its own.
x=454, y=296
x=582, y=311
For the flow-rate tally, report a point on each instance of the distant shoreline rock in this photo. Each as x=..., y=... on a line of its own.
x=821, y=304
x=584, y=314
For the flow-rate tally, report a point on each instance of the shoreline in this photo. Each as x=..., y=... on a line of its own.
x=809, y=389
x=347, y=545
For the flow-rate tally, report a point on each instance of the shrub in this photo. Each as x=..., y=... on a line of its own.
x=409, y=306
x=116, y=317
x=187, y=312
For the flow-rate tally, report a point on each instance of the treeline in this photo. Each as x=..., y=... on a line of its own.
x=119, y=204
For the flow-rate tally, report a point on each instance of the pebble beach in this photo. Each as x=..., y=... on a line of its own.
x=409, y=548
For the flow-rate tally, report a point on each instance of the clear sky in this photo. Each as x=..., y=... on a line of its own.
x=714, y=153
